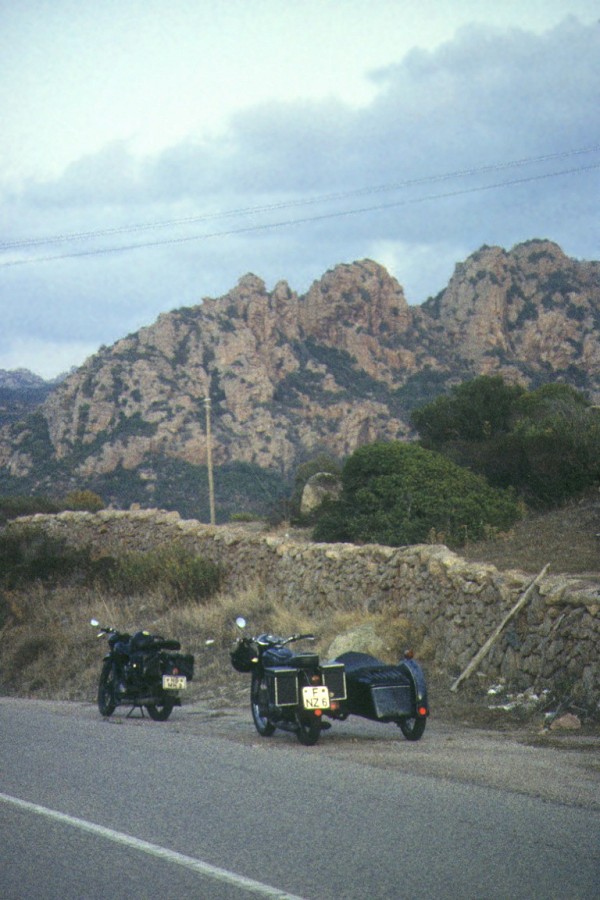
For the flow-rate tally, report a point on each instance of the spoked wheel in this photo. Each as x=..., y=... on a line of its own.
x=259, y=703
x=107, y=690
x=412, y=729
x=161, y=711
x=309, y=730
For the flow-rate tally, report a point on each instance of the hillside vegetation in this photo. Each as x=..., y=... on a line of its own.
x=289, y=376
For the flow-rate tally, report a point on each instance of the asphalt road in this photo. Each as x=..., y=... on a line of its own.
x=202, y=807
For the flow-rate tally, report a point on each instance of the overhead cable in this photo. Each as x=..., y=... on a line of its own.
x=244, y=229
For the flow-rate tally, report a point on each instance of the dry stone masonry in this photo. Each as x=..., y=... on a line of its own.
x=551, y=644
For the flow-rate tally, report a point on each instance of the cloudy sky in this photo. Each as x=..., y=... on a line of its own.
x=152, y=152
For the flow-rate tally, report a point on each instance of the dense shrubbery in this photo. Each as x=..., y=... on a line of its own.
x=29, y=554
x=20, y=505
x=240, y=487
x=83, y=501
x=178, y=573
x=13, y=507
x=398, y=493
x=545, y=443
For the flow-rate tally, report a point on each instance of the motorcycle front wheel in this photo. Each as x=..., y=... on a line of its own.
x=412, y=729
x=106, y=690
x=161, y=711
x=309, y=730
x=259, y=705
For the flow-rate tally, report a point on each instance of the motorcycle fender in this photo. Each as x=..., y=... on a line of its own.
x=415, y=673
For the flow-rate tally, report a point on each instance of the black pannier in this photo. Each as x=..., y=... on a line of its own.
x=154, y=664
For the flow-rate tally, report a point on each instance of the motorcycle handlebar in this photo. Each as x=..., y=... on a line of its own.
x=275, y=641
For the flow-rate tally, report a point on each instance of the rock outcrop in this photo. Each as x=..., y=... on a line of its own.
x=290, y=376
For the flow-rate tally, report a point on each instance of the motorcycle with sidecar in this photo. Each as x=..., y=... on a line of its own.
x=295, y=691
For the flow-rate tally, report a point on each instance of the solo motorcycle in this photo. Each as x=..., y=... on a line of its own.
x=294, y=691
x=142, y=670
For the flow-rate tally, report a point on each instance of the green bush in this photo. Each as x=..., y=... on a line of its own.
x=398, y=493
x=83, y=500
x=17, y=506
x=543, y=443
x=28, y=553
x=473, y=411
x=179, y=573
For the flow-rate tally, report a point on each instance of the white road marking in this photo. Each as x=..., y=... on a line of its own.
x=189, y=862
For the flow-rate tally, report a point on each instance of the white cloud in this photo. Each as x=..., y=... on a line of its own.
x=478, y=99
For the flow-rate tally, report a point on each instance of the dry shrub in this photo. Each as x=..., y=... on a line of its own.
x=49, y=650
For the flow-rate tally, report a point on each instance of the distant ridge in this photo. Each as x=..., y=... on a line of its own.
x=292, y=376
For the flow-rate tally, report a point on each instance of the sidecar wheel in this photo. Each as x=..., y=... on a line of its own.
x=160, y=712
x=259, y=702
x=412, y=729
x=106, y=690
x=309, y=730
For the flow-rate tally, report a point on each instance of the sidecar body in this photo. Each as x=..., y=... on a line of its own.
x=381, y=692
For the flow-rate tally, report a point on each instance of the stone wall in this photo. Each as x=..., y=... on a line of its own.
x=552, y=643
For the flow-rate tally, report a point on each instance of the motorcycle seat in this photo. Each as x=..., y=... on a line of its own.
x=143, y=642
x=353, y=661
x=304, y=660
x=167, y=644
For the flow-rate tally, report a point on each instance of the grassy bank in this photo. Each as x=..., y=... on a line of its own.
x=48, y=649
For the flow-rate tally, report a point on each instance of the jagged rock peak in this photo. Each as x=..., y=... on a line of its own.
x=355, y=295
x=331, y=370
x=532, y=303
x=248, y=285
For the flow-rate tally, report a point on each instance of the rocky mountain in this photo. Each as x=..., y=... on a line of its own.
x=21, y=391
x=290, y=376
x=19, y=379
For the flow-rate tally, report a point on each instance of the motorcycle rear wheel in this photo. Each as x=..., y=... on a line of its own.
x=309, y=730
x=107, y=689
x=161, y=711
x=412, y=729
x=258, y=703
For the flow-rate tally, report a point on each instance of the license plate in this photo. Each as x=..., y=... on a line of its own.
x=315, y=697
x=174, y=682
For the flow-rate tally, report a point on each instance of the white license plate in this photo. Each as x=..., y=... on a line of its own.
x=315, y=697
x=174, y=682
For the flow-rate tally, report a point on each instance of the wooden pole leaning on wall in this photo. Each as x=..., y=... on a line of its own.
x=492, y=640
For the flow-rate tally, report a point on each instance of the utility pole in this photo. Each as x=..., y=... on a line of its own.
x=211, y=487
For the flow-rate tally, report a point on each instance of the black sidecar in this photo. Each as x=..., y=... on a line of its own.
x=386, y=693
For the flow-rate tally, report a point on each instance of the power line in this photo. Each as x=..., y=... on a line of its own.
x=322, y=198
x=304, y=220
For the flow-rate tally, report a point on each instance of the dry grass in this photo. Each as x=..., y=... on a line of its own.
x=568, y=538
x=49, y=650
